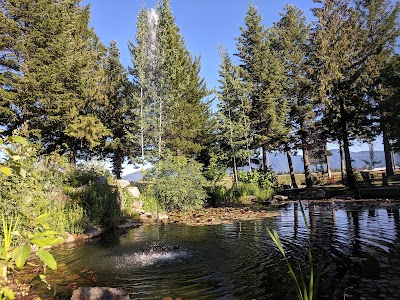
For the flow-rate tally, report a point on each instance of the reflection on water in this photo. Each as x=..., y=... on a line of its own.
x=359, y=245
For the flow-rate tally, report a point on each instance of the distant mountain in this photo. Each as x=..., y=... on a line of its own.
x=279, y=162
x=135, y=176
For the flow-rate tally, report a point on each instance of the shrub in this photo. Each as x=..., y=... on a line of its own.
x=102, y=204
x=180, y=183
x=217, y=195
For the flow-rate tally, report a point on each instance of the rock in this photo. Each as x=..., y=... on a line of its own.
x=102, y=179
x=314, y=194
x=92, y=232
x=162, y=216
x=319, y=193
x=280, y=198
x=99, y=293
x=122, y=183
x=137, y=205
x=145, y=216
x=134, y=191
x=252, y=198
x=129, y=223
x=69, y=238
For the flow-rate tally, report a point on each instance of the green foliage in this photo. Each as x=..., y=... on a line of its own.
x=217, y=195
x=303, y=291
x=102, y=204
x=118, y=115
x=148, y=197
x=263, y=179
x=18, y=246
x=215, y=170
x=179, y=183
x=87, y=173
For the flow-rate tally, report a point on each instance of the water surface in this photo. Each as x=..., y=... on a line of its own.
x=359, y=245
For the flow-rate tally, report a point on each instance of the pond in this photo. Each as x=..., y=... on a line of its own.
x=359, y=245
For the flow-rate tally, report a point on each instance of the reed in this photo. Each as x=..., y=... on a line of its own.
x=304, y=291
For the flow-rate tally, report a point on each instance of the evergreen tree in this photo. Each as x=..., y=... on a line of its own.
x=289, y=38
x=184, y=121
x=263, y=72
x=347, y=37
x=145, y=60
x=118, y=115
x=170, y=89
x=56, y=83
x=233, y=122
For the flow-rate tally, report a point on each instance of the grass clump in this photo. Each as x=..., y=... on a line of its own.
x=304, y=291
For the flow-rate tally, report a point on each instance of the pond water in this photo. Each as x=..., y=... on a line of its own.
x=359, y=244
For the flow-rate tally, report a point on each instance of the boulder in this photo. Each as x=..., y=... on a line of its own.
x=137, y=205
x=122, y=183
x=314, y=194
x=102, y=179
x=99, y=293
x=92, y=231
x=280, y=198
x=162, y=216
x=134, y=191
x=146, y=216
x=69, y=238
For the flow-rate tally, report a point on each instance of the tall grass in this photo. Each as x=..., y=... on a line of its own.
x=304, y=291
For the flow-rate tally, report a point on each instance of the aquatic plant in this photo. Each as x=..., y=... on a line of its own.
x=303, y=291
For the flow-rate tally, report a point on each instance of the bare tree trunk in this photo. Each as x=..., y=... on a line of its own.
x=249, y=158
x=306, y=161
x=328, y=163
x=387, y=150
x=264, y=157
x=235, y=178
x=141, y=125
x=291, y=169
x=350, y=177
x=160, y=129
x=342, y=166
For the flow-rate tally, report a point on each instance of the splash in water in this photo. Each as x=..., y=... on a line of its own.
x=156, y=254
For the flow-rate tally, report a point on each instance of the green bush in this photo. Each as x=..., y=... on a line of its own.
x=102, y=204
x=217, y=195
x=180, y=183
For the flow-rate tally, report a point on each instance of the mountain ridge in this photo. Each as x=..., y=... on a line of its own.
x=278, y=162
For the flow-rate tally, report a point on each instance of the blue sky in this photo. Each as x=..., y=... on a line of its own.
x=203, y=23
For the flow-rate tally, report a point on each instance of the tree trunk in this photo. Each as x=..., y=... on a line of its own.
x=387, y=150
x=291, y=169
x=264, y=157
x=342, y=166
x=72, y=158
x=160, y=129
x=141, y=126
x=306, y=161
x=350, y=178
x=328, y=163
x=235, y=178
x=249, y=158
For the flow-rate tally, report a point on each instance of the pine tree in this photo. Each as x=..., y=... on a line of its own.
x=290, y=40
x=347, y=37
x=233, y=122
x=170, y=90
x=145, y=60
x=118, y=115
x=56, y=84
x=262, y=70
x=185, y=115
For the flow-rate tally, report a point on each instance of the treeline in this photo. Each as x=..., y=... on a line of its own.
x=295, y=85
x=298, y=85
